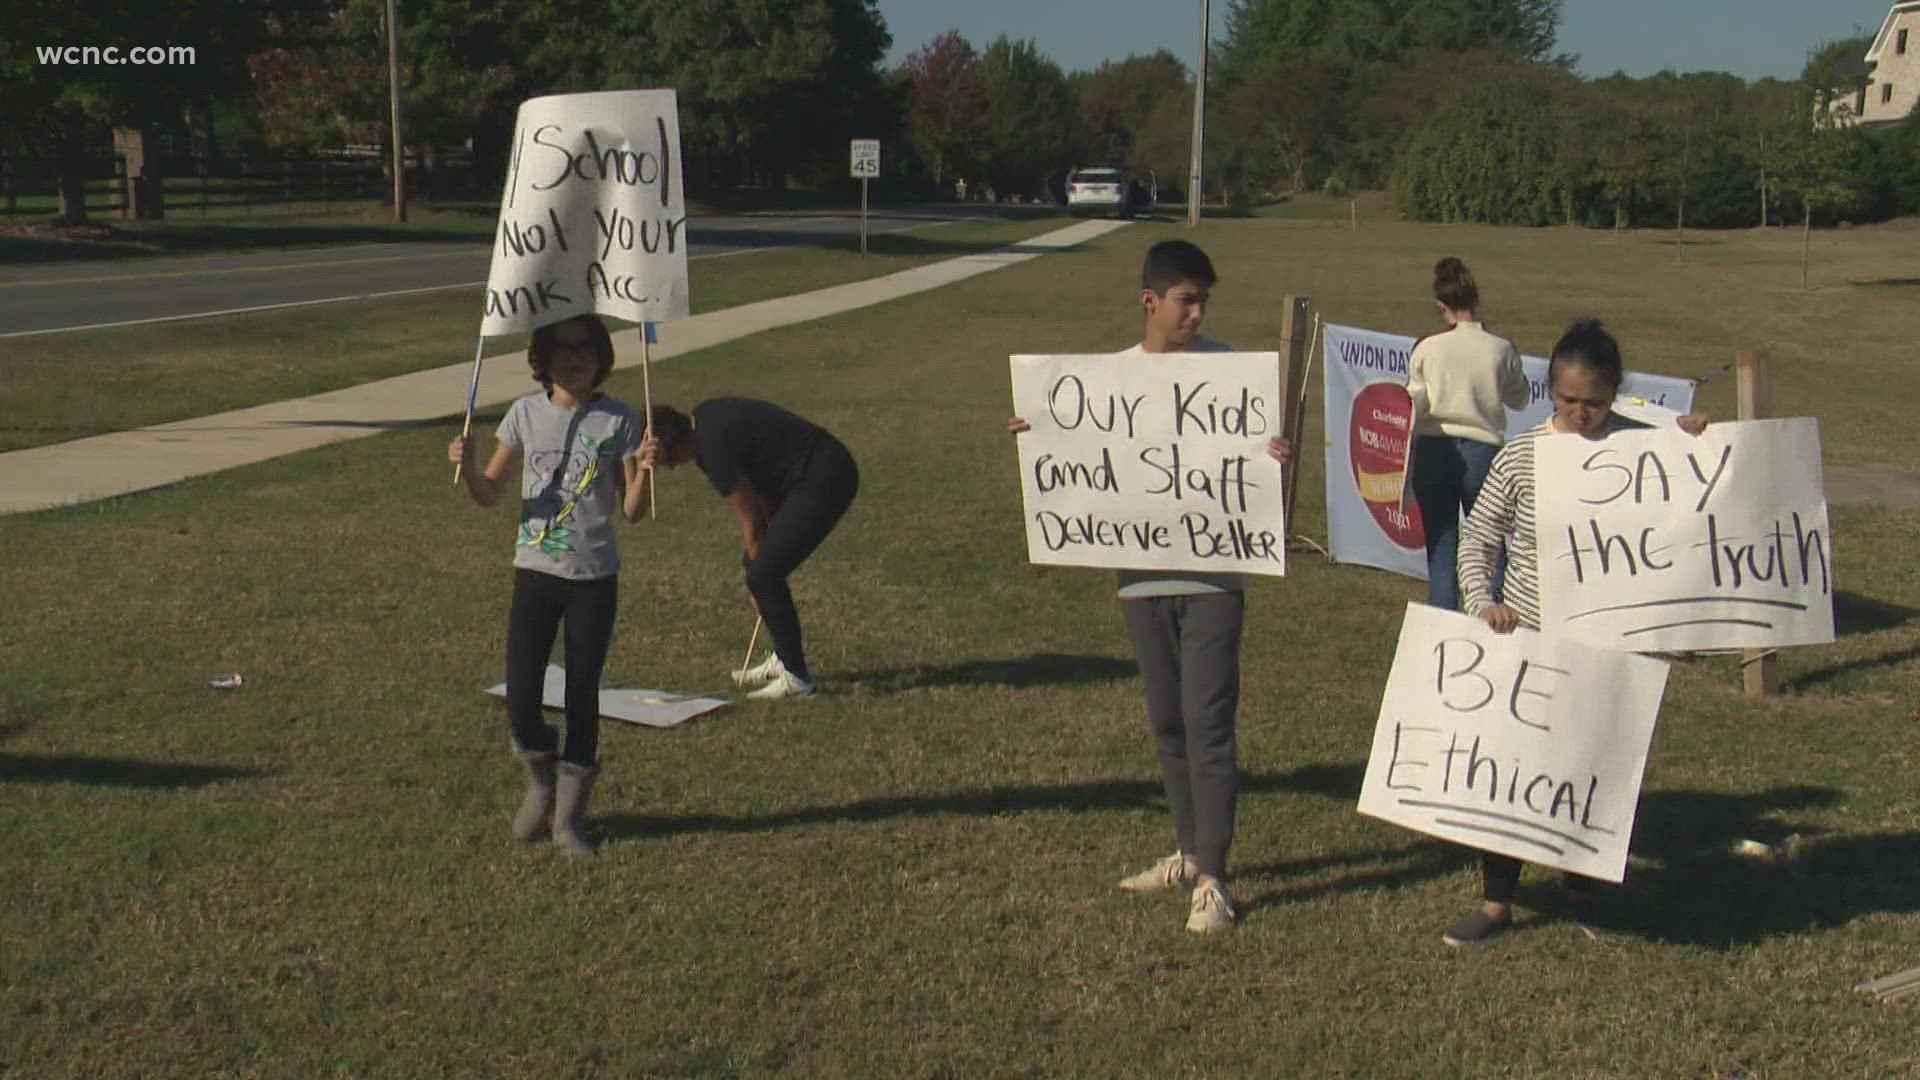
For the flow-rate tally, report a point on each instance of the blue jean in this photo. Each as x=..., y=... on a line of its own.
x=1447, y=474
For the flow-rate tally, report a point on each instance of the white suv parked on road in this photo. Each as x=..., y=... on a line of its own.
x=1109, y=190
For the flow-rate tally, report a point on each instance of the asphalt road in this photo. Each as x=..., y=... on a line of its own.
x=50, y=298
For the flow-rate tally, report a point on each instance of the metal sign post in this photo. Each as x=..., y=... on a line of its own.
x=864, y=165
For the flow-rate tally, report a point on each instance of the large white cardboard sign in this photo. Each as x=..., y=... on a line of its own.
x=1657, y=541
x=1152, y=462
x=1368, y=436
x=593, y=218
x=653, y=708
x=1522, y=744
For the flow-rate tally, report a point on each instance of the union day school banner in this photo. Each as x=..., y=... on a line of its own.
x=1368, y=431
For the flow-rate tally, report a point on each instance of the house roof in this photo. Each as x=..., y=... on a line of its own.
x=1852, y=68
x=1886, y=28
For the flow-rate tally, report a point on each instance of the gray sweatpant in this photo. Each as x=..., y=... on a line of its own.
x=1188, y=648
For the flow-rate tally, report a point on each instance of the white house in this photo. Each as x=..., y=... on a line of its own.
x=1893, y=87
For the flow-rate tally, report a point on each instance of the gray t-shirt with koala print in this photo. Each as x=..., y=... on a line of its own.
x=573, y=478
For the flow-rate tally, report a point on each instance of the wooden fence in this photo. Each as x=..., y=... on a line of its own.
x=225, y=186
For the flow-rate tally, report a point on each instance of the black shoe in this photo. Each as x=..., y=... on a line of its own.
x=1475, y=929
x=1584, y=910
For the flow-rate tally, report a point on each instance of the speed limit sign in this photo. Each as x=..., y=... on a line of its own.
x=866, y=159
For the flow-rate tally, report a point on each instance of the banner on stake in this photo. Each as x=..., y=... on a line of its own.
x=1368, y=415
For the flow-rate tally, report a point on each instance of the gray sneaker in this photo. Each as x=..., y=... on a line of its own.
x=1172, y=872
x=1211, y=910
x=759, y=674
x=783, y=686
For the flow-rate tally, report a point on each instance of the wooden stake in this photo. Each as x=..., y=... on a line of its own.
x=751, y=642
x=1758, y=667
x=1299, y=405
x=1296, y=323
x=1896, y=985
x=473, y=394
x=646, y=389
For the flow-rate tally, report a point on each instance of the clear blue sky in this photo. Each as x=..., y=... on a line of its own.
x=1750, y=38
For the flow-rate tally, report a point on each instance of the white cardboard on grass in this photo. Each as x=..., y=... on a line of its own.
x=593, y=217
x=1522, y=744
x=1367, y=523
x=1097, y=470
x=654, y=708
x=1657, y=541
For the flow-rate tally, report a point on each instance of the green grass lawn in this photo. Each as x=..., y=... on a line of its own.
x=68, y=386
x=227, y=228
x=913, y=873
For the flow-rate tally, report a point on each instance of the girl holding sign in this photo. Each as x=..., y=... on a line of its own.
x=789, y=482
x=1462, y=381
x=581, y=461
x=1583, y=377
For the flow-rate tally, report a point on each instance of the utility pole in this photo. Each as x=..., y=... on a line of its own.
x=399, y=138
x=1199, y=117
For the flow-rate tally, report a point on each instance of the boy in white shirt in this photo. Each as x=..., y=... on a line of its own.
x=1185, y=628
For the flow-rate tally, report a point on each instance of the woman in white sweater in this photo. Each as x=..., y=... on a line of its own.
x=1462, y=381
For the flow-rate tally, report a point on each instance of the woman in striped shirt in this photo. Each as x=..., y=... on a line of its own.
x=1583, y=377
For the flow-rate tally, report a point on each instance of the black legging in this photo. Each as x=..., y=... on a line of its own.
x=541, y=603
x=796, y=527
x=1500, y=874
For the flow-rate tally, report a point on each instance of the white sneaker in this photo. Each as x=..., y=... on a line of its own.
x=761, y=673
x=1212, y=909
x=784, y=685
x=1172, y=872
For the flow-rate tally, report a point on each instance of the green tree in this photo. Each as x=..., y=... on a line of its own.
x=1487, y=153
x=1372, y=122
x=1368, y=49
x=1351, y=36
x=1164, y=144
x=1816, y=164
x=1627, y=146
x=947, y=103
x=1836, y=75
x=1690, y=109
x=1271, y=128
x=763, y=84
x=1119, y=98
x=1033, y=123
x=65, y=111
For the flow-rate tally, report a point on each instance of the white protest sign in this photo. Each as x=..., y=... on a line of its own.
x=1367, y=523
x=594, y=216
x=865, y=162
x=1152, y=462
x=1522, y=744
x=1657, y=541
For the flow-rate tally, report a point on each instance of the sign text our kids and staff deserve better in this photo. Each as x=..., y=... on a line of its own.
x=1155, y=463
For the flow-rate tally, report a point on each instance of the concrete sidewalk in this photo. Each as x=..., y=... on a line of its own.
x=128, y=461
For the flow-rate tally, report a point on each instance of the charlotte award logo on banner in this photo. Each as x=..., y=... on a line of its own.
x=1380, y=438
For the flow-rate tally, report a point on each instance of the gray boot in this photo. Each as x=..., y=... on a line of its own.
x=570, y=808
x=530, y=823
